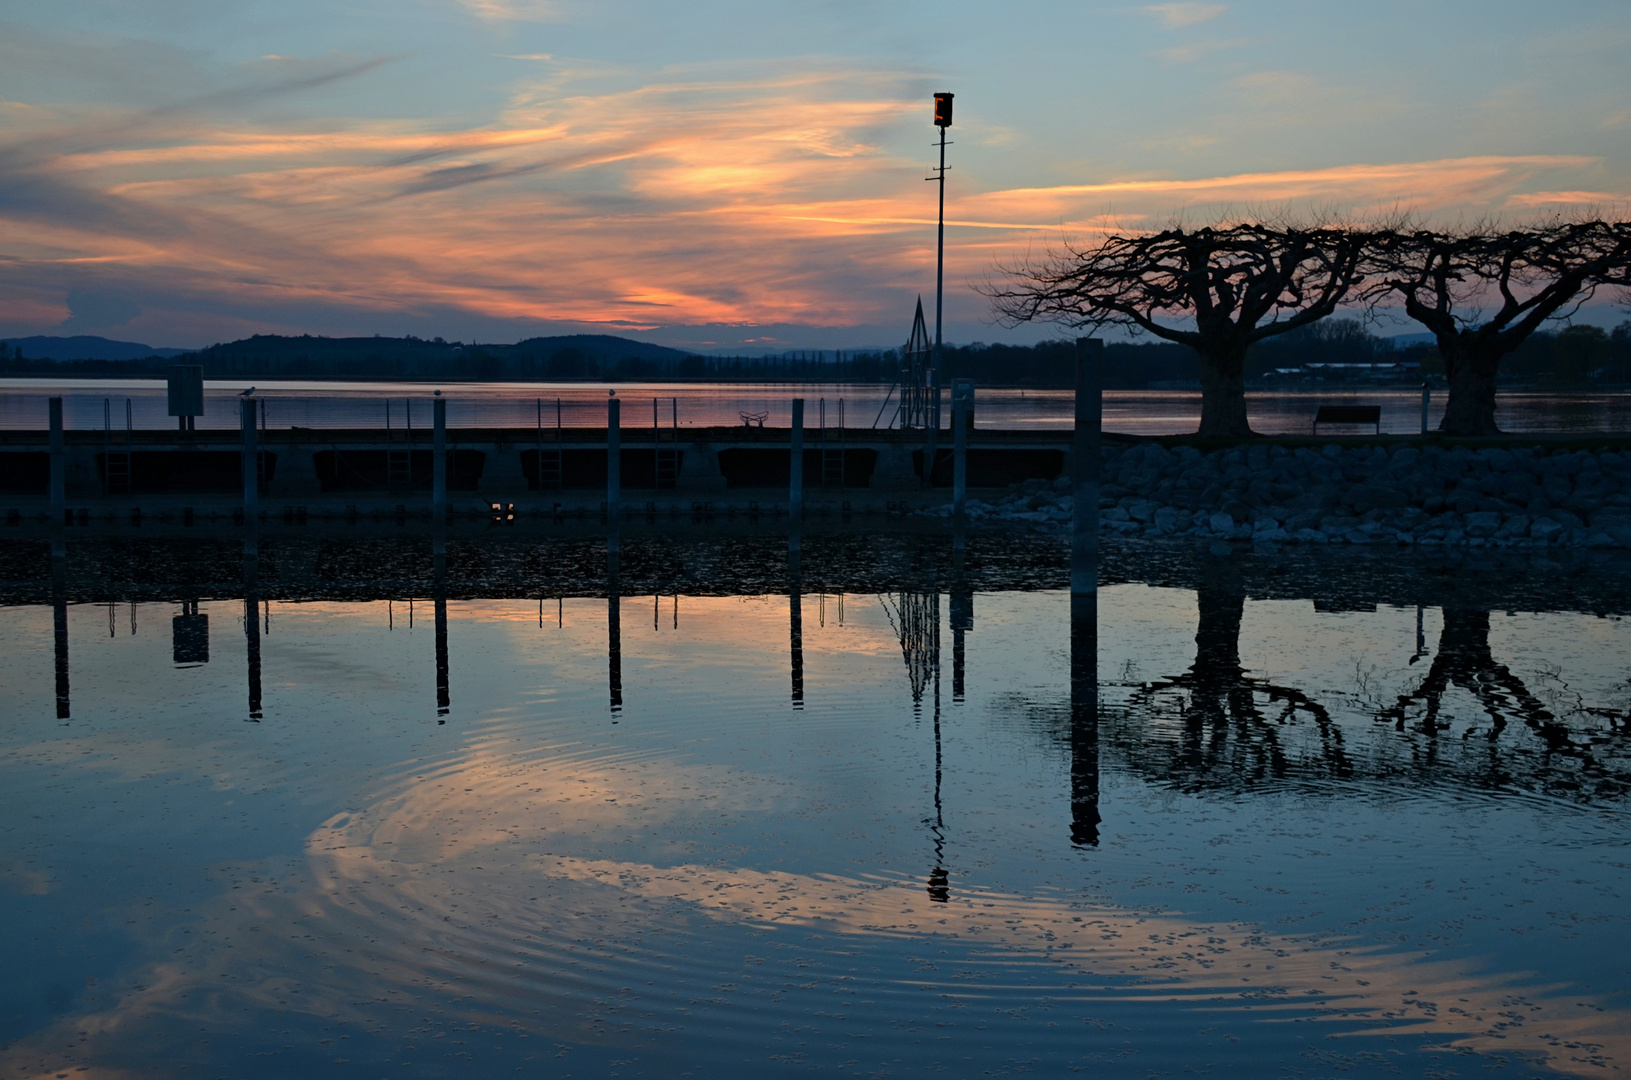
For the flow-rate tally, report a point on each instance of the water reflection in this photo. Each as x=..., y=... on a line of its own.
x=1568, y=764
x=59, y=618
x=190, y=636
x=1084, y=719
x=795, y=621
x=1229, y=720
x=915, y=619
x=640, y=890
x=962, y=621
x=252, y=619
x=614, y=630
x=444, y=698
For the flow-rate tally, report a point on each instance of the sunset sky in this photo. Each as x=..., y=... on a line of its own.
x=725, y=173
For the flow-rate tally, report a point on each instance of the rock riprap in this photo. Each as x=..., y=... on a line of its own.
x=1369, y=494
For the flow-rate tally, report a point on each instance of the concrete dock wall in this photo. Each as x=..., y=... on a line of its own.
x=340, y=471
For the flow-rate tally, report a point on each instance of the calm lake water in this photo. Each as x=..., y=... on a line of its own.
x=89, y=404
x=338, y=806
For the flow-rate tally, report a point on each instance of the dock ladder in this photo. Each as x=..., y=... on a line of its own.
x=549, y=457
x=115, y=451
x=666, y=459
x=832, y=457
x=399, y=452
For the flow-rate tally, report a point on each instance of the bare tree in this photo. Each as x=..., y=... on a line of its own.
x=1445, y=279
x=1237, y=284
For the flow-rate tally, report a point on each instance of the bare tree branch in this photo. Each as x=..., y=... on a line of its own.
x=1238, y=283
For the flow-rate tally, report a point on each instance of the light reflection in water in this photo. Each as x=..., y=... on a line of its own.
x=524, y=870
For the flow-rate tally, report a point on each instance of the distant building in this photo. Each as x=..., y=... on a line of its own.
x=1397, y=371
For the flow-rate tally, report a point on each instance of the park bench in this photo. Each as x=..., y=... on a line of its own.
x=1348, y=414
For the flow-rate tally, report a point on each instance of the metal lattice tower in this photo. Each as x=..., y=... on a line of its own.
x=917, y=375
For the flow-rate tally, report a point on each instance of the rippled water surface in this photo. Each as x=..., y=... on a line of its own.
x=337, y=805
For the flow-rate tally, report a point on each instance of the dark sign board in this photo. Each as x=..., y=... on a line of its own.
x=186, y=390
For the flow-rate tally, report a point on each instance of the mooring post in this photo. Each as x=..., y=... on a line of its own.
x=1084, y=545
x=1426, y=399
x=962, y=392
x=438, y=459
x=249, y=462
x=614, y=470
x=795, y=468
x=59, y=462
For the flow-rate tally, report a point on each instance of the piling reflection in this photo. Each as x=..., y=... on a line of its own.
x=59, y=618
x=962, y=621
x=1084, y=719
x=614, y=631
x=444, y=700
x=795, y=622
x=252, y=621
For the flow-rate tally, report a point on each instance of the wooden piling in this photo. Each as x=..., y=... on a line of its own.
x=438, y=459
x=614, y=471
x=59, y=462
x=249, y=460
x=795, y=468
x=1085, y=466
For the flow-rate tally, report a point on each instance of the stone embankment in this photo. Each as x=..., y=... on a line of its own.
x=1367, y=494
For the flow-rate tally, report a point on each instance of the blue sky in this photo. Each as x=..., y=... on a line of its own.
x=714, y=174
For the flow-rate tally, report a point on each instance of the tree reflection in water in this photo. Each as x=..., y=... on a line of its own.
x=1218, y=727
x=1229, y=720
x=1567, y=763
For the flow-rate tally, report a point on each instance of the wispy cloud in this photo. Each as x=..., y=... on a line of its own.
x=513, y=10
x=1448, y=184
x=1176, y=16
x=1527, y=200
x=1186, y=54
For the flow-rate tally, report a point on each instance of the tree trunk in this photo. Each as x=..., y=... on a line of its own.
x=1223, y=397
x=1470, y=409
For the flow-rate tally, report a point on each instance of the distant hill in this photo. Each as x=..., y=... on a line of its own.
x=567, y=356
x=86, y=347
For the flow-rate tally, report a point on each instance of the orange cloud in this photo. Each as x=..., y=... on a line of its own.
x=693, y=200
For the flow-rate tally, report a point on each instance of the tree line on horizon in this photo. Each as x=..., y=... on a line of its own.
x=1574, y=356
